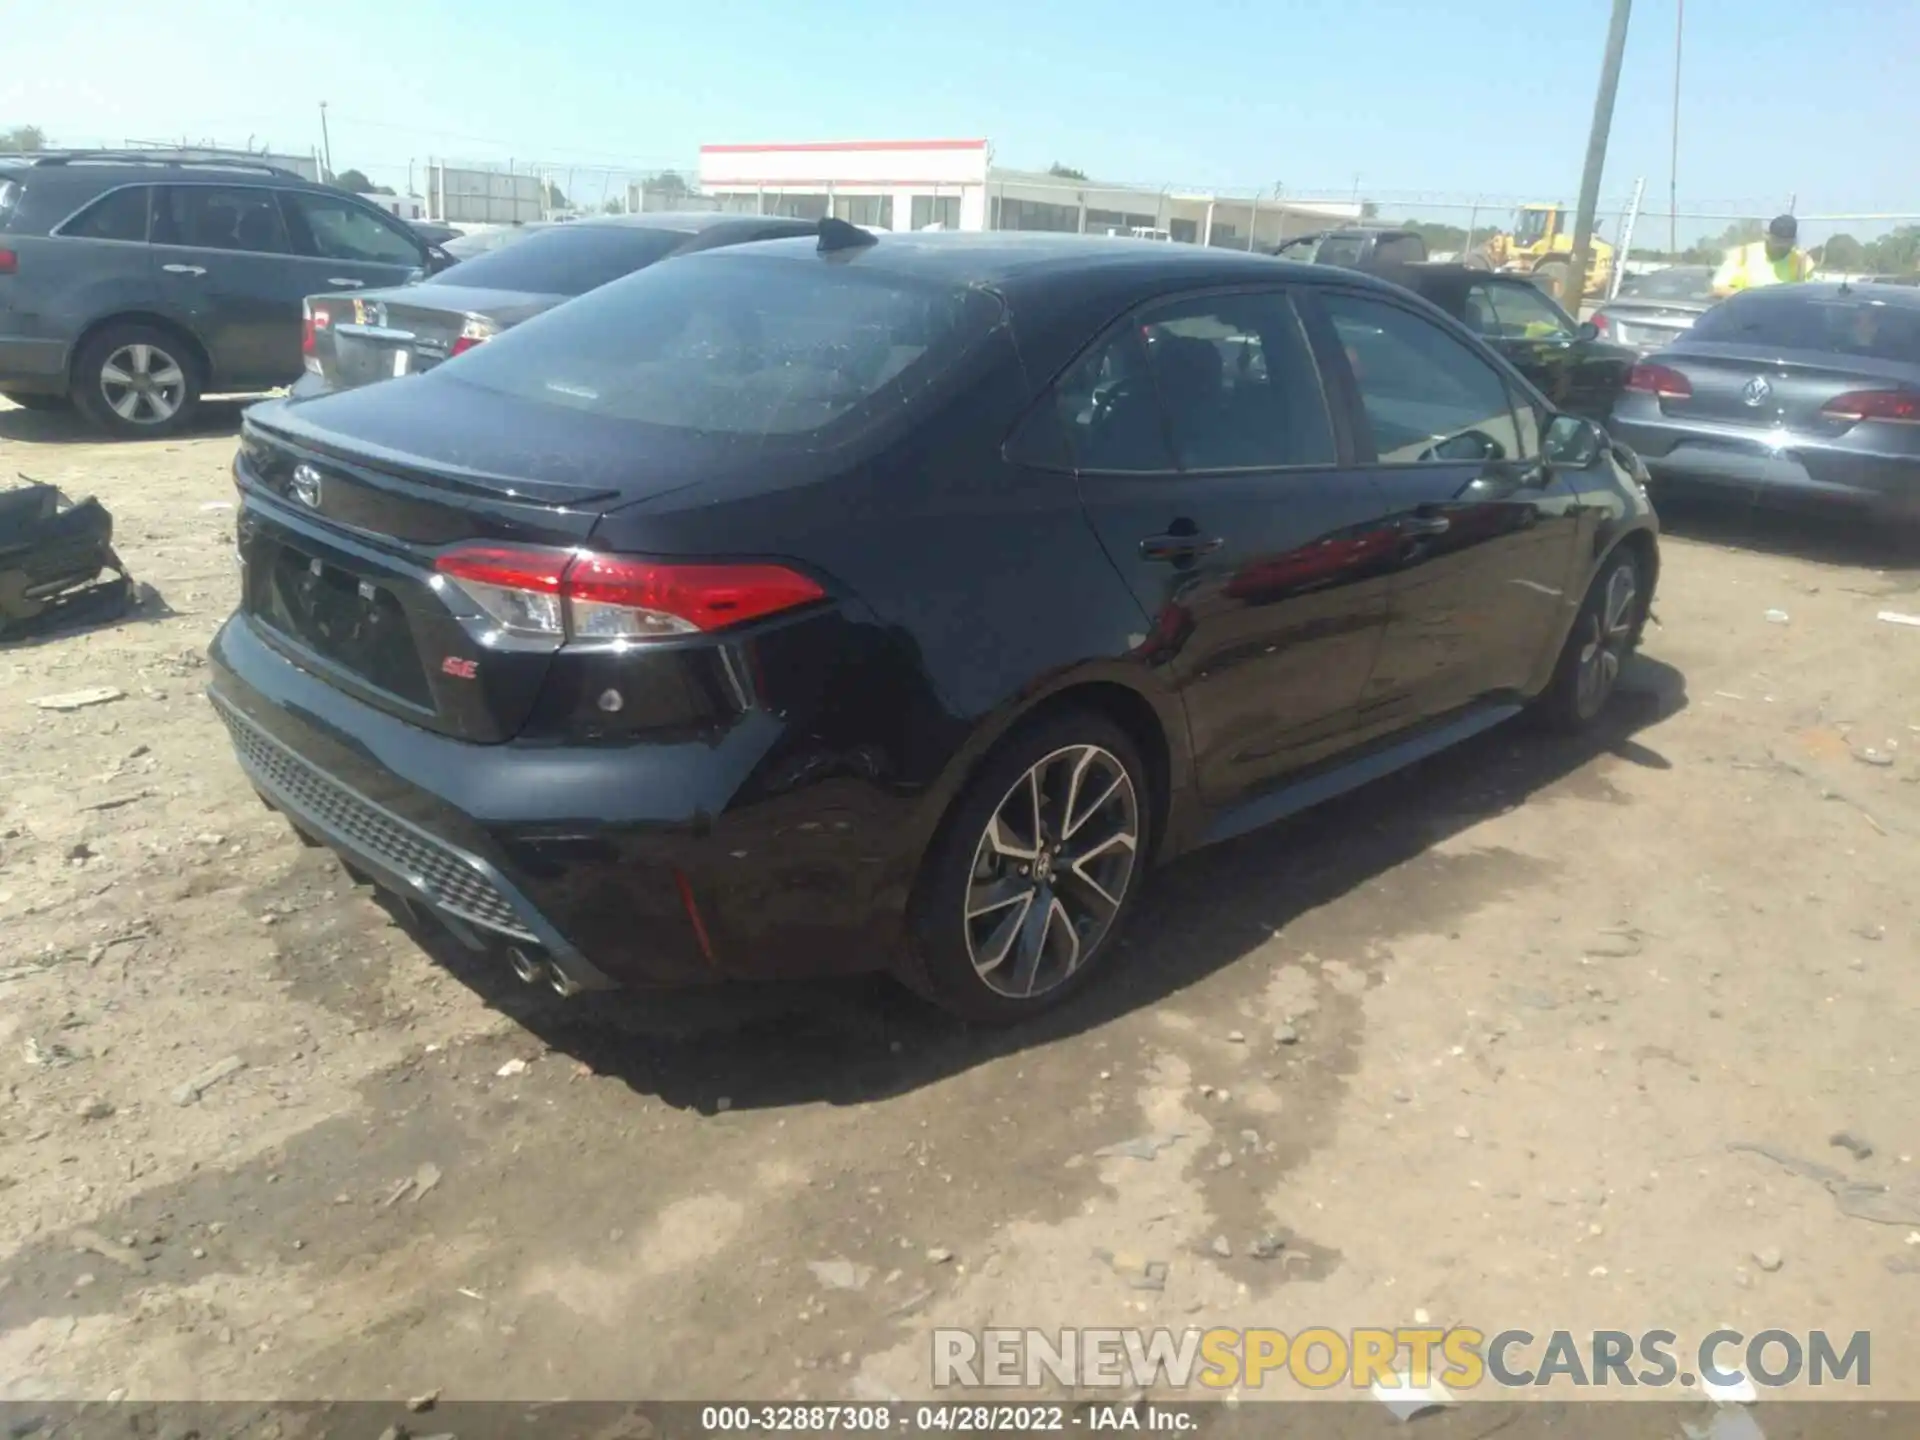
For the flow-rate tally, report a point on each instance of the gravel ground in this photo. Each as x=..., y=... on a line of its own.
x=1475, y=1045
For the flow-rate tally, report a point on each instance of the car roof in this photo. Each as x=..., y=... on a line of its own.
x=694, y=222
x=1899, y=296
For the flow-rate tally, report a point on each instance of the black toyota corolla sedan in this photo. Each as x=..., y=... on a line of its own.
x=853, y=603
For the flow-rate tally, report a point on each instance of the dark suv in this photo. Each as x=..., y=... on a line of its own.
x=131, y=283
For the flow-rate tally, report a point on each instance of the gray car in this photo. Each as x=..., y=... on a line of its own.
x=132, y=283
x=1788, y=393
x=362, y=336
x=1657, y=308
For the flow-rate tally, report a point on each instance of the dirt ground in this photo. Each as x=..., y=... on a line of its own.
x=1472, y=1045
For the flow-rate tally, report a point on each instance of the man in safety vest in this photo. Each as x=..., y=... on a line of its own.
x=1775, y=260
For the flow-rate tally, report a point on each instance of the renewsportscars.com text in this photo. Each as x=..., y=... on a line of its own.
x=1460, y=1358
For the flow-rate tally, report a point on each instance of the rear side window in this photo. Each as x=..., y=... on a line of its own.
x=564, y=259
x=1845, y=325
x=1401, y=250
x=221, y=217
x=121, y=215
x=731, y=345
x=9, y=199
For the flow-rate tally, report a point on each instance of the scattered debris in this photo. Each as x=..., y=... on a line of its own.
x=80, y=699
x=1138, y=1272
x=1617, y=942
x=513, y=1067
x=420, y=1404
x=1870, y=756
x=1460, y=1132
x=1768, y=1259
x=116, y=801
x=188, y=1093
x=939, y=1255
x=1285, y=1034
x=1728, y=1423
x=1407, y=1400
x=92, y=1242
x=1881, y=1204
x=94, y=1107
x=841, y=1274
x=1778, y=617
x=1851, y=1143
x=1224, y=1160
x=1236, y=1037
x=1894, y=617
x=1267, y=1246
x=1141, y=1147
x=1222, y=1247
x=1739, y=1392
x=425, y=1178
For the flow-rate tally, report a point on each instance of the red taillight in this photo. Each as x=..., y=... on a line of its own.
x=472, y=333
x=1896, y=407
x=1601, y=323
x=9, y=263
x=313, y=319
x=585, y=596
x=1659, y=380
x=464, y=343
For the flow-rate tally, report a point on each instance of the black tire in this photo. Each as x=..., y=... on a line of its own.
x=968, y=868
x=39, y=402
x=165, y=397
x=1604, y=633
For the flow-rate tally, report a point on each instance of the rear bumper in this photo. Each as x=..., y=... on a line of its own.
x=33, y=367
x=633, y=865
x=1726, y=459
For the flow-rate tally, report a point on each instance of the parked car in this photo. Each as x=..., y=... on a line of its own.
x=367, y=335
x=1360, y=247
x=863, y=603
x=1578, y=370
x=132, y=283
x=1789, y=393
x=1657, y=308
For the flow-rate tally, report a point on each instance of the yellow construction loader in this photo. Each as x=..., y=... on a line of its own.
x=1541, y=244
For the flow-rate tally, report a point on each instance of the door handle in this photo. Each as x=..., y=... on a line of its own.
x=345, y=284
x=185, y=269
x=1178, y=547
x=1425, y=525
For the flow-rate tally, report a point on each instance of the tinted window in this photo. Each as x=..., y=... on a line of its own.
x=1426, y=395
x=1111, y=411
x=1520, y=312
x=217, y=217
x=1679, y=282
x=1237, y=384
x=565, y=259
x=1849, y=325
x=9, y=199
x=1345, y=250
x=736, y=345
x=342, y=230
x=1401, y=250
x=121, y=215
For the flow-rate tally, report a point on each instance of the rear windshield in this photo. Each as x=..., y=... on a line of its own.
x=1681, y=283
x=1836, y=324
x=1340, y=250
x=564, y=260
x=739, y=345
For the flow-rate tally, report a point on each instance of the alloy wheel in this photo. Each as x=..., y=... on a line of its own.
x=1051, y=871
x=1606, y=648
x=143, y=384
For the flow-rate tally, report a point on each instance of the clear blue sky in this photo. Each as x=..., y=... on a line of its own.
x=1780, y=96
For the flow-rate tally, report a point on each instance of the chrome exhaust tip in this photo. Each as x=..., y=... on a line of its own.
x=561, y=983
x=525, y=966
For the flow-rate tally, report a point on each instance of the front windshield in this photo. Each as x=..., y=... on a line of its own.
x=1529, y=226
x=1676, y=282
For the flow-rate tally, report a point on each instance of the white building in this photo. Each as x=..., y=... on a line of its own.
x=954, y=185
x=407, y=207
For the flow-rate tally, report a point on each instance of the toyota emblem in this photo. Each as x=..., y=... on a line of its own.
x=1757, y=391
x=305, y=486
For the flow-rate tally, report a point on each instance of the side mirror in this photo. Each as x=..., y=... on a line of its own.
x=1574, y=442
x=1586, y=330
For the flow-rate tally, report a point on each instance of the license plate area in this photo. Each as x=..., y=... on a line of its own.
x=352, y=621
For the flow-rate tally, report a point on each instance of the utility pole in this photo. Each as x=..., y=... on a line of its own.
x=1673, y=164
x=326, y=142
x=1597, y=154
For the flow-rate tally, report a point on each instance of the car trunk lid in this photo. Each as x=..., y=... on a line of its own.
x=1766, y=388
x=1648, y=324
x=383, y=334
x=343, y=520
